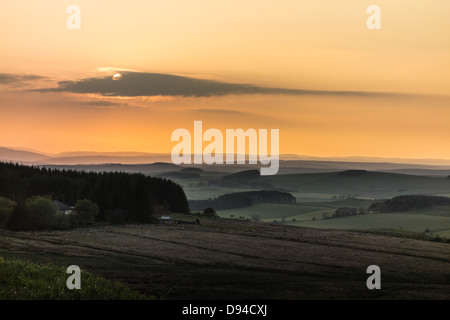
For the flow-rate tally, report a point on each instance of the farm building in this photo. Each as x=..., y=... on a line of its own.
x=62, y=207
x=166, y=219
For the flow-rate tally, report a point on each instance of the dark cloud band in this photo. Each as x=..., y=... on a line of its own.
x=134, y=84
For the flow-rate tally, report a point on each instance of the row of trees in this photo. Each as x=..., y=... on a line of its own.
x=40, y=212
x=344, y=212
x=120, y=197
x=408, y=203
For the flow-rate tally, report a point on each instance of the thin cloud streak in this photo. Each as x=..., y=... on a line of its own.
x=18, y=79
x=102, y=103
x=224, y=111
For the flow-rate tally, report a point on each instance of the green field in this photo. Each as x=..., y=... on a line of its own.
x=392, y=221
x=437, y=219
x=443, y=211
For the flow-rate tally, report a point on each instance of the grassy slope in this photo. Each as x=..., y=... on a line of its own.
x=25, y=280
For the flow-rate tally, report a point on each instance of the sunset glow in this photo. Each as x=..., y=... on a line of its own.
x=311, y=69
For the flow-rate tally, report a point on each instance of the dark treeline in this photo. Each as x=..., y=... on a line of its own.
x=344, y=212
x=242, y=199
x=133, y=196
x=408, y=203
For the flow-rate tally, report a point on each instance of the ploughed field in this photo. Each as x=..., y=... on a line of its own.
x=225, y=259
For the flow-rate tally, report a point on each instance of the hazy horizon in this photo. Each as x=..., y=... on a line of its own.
x=283, y=157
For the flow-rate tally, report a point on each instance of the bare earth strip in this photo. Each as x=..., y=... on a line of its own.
x=239, y=260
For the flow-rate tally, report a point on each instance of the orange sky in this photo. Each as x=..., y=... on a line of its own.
x=311, y=45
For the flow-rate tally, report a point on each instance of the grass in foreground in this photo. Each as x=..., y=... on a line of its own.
x=20, y=280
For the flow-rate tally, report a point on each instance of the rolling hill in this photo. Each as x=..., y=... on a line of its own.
x=13, y=155
x=371, y=184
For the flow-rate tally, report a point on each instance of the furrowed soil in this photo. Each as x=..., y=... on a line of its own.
x=224, y=259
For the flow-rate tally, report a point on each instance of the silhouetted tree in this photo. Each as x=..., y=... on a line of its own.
x=20, y=217
x=42, y=212
x=85, y=212
x=6, y=209
x=210, y=212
